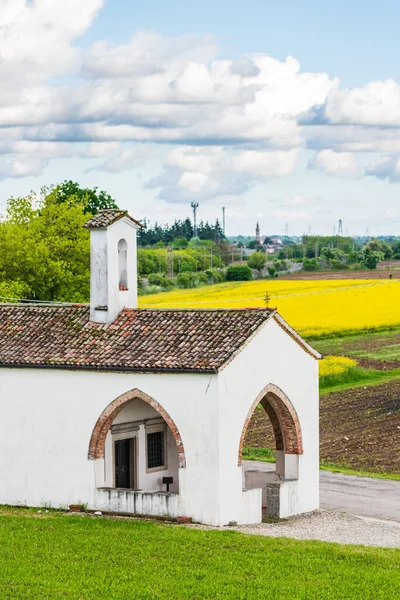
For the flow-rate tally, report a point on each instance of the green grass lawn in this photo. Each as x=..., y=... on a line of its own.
x=62, y=557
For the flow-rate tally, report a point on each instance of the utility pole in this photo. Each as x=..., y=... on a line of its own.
x=211, y=258
x=195, y=206
x=170, y=262
x=287, y=240
x=223, y=219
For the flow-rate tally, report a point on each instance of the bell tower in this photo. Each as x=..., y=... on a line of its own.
x=113, y=264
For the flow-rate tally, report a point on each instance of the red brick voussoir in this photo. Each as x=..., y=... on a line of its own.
x=104, y=422
x=284, y=419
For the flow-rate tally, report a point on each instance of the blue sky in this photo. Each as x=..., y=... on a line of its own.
x=161, y=103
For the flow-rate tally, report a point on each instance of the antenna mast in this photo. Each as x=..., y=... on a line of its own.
x=195, y=206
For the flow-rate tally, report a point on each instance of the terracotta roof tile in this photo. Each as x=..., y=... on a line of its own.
x=187, y=340
x=107, y=217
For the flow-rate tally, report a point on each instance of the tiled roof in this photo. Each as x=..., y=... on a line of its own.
x=106, y=217
x=139, y=340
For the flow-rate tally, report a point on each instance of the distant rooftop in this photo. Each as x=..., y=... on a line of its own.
x=107, y=217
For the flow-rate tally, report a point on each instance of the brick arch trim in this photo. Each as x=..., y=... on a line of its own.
x=283, y=417
x=104, y=422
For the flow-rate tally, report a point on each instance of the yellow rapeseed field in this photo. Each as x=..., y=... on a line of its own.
x=314, y=308
x=335, y=365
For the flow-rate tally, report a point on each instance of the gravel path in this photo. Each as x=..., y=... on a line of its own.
x=331, y=527
x=328, y=527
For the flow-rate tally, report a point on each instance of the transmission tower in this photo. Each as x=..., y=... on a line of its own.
x=340, y=228
x=286, y=231
x=195, y=206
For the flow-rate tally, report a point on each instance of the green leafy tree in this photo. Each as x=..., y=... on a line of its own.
x=257, y=261
x=238, y=273
x=370, y=257
x=46, y=249
x=91, y=199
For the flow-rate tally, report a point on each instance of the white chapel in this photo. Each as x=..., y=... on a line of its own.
x=144, y=412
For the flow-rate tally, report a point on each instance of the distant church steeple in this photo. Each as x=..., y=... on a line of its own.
x=257, y=233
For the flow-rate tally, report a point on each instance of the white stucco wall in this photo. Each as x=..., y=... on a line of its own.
x=104, y=270
x=271, y=357
x=47, y=417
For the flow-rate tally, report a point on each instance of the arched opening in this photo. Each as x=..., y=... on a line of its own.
x=123, y=264
x=139, y=444
x=285, y=430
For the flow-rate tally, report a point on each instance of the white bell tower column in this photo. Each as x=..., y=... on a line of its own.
x=113, y=264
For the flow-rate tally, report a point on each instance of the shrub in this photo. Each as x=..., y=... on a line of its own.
x=238, y=273
x=271, y=271
x=191, y=280
x=215, y=275
x=310, y=264
x=160, y=280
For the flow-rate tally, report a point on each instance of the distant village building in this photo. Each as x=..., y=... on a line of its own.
x=272, y=245
x=145, y=411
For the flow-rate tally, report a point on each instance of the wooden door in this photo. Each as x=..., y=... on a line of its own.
x=123, y=464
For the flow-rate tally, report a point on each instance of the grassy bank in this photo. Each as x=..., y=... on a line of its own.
x=60, y=556
x=356, y=377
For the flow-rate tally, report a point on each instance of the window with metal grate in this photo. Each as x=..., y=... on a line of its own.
x=155, y=450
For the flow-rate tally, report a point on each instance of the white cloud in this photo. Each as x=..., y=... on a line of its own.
x=209, y=173
x=35, y=38
x=377, y=103
x=23, y=166
x=340, y=164
x=386, y=167
x=234, y=123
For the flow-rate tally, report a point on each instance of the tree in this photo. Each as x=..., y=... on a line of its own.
x=369, y=257
x=238, y=273
x=71, y=193
x=257, y=261
x=46, y=249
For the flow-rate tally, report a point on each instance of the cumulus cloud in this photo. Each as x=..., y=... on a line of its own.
x=214, y=172
x=377, y=103
x=23, y=166
x=340, y=164
x=234, y=123
x=386, y=167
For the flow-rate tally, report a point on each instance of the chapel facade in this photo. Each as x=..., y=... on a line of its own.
x=144, y=411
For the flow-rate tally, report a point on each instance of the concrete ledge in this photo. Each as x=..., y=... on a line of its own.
x=282, y=498
x=251, y=511
x=136, y=502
